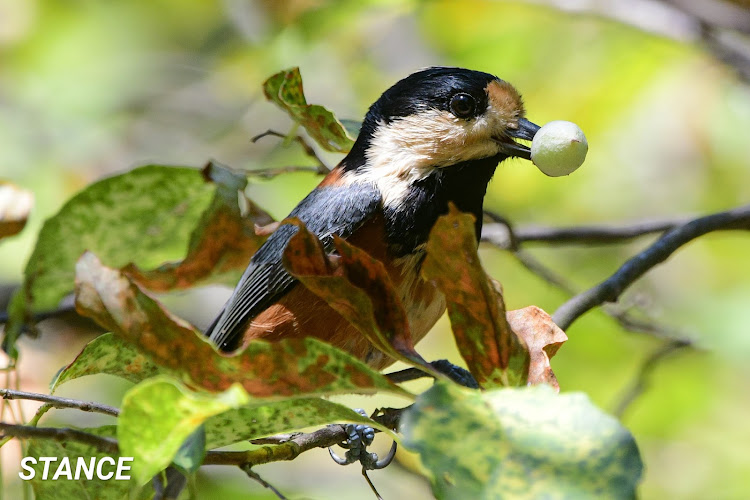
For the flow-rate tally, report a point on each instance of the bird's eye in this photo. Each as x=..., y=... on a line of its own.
x=463, y=105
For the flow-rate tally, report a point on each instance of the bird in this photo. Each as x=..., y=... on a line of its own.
x=435, y=137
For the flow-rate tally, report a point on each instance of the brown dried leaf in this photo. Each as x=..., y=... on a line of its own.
x=15, y=206
x=290, y=367
x=222, y=242
x=358, y=287
x=543, y=338
x=493, y=353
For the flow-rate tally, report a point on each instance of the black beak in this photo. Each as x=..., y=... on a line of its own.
x=526, y=130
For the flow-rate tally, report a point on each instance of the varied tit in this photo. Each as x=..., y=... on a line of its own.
x=434, y=137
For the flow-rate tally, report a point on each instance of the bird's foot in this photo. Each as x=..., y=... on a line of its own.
x=359, y=437
x=455, y=373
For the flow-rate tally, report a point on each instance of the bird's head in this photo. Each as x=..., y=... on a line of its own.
x=438, y=118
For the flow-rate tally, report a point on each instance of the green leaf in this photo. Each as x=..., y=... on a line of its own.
x=192, y=451
x=291, y=367
x=261, y=419
x=220, y=245
x=358, y=287
x=82, y=487
x=285, y=90
x=161, y=421
x=493, y=353
x=158, y=415
x=143, y=216
x=111, y=355
x=184, y=209
x=520, y=443
x=115, y=219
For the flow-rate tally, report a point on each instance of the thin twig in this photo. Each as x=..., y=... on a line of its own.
x=372, y=486
x=597, y=234
x=270, y=173
x=289, y=450
x=58, y=402
x=306, y=147
x=610, y=289
x=59, y=434
x=254, y=475
x=286, y=450
x=510, y=237
x=640, y=384
x=550, y=276
x=533, y=265
x=624, y=318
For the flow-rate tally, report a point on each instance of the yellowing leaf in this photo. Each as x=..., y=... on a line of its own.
x=290, y=367
x=143, y=216
x=520, y=443
x=358, y=287
x=158, y=415
x=493, y=353
x=222, y=242
x=111, y=355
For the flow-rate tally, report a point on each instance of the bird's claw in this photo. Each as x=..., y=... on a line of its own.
x=360, y=436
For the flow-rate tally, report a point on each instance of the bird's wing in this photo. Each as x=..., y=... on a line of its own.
x=326, y=211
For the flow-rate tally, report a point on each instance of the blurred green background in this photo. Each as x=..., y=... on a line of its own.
x=89, y=88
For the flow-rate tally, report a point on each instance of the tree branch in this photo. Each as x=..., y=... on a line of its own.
x=256, y=477
x=507, y=237
x=721, y=26
x=287, y=446
x=59, y=434
x=623, y=318
x=58, y=402
x=610, y=289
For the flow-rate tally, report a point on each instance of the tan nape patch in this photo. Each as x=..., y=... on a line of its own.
x=505, y=99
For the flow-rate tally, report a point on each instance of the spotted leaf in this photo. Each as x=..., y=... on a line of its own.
x=222, y=242
x=291, y=367
x=493, y=353
x=285, y=90
x=358, y=287
x=520, y=443
x=111, y=355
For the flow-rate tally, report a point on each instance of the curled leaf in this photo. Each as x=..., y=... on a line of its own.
x=493, y=353
x=285, y=90
x=290, y=367
x=222, y=242
x=113, y=218
x=358, y=287
x=15, y=207
x=543, y=338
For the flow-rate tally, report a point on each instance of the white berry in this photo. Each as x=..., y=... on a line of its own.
x=559, y=148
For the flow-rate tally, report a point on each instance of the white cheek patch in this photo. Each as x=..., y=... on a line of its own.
x=410, y=148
